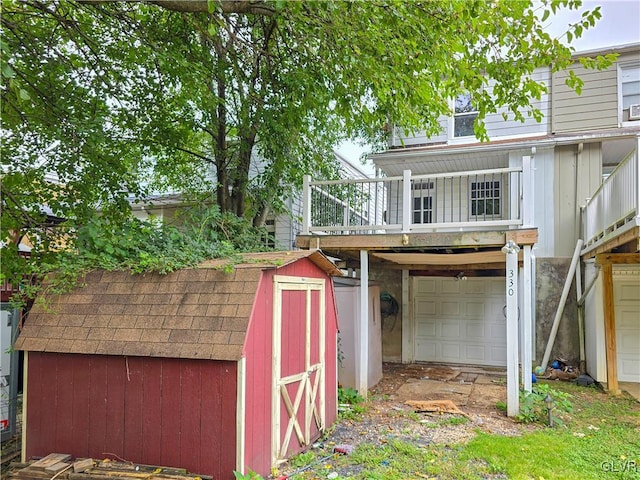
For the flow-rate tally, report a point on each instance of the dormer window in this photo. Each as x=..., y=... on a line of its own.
x=464, y=115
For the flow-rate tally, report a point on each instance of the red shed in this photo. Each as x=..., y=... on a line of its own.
x=204, y=369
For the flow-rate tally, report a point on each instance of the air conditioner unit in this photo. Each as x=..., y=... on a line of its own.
x=634, y=112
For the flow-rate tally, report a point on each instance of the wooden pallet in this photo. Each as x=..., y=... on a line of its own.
x=57, y=466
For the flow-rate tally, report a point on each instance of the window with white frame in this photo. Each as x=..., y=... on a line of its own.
x=422, y=201
x=630, y=92
x=485, y=199
x=464, y=115
x=422, y=209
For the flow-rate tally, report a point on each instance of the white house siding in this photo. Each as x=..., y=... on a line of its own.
x=595, y=108
x=496, y=126
x=451, y=200
x=543, y=201
x=288, y=225
x=574, y=182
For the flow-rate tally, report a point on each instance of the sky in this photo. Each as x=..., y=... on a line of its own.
x=619, y=25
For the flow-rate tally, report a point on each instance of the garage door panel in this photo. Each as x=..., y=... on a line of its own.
x=450, y=351
x=426, y=285
x=498, y=355
x=475, y=330
x=425, y=307
x=426, y=329
x=474, y=309
x=627, y=317
x=627, y=292
x=627, y=314
x=428, y=349
x=466, y=323
x=629, y=368
x=450, y=330
x=450, y=287
x=449, y=308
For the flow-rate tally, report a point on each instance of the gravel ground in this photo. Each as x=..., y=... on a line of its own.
x=387, y=417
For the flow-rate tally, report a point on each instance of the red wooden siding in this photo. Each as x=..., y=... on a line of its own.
x=172, y=412
x=257, y=350
x=258, y=371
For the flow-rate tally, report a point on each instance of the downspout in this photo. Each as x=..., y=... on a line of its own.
x=576, y=221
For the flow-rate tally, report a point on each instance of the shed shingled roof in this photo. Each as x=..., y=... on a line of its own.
x=197, y=313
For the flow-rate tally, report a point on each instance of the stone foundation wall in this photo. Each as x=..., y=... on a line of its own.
x=390, y=282
x=551, y=274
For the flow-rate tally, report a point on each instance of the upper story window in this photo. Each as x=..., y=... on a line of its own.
x=630, y=92
x=464, y=115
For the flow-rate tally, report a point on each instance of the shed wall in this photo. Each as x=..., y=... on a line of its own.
x=171, y=412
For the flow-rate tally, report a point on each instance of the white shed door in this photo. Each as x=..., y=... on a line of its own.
x=460, y=321
x=626, y=294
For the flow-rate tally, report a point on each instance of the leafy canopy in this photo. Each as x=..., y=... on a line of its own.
x=104, y=102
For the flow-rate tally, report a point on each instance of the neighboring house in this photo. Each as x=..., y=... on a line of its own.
x=282, y=229
x=452, y=205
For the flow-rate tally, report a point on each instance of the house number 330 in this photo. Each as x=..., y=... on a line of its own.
x=510, y=282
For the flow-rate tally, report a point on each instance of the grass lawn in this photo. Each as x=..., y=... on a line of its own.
x=599, y=439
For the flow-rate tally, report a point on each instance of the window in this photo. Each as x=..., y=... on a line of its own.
x=422, y=209
x=629, y=90
x=464, y=115
x=485, y=199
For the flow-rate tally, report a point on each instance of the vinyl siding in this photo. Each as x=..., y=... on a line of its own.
x=595, y=108
x=570, y=193
x=496, y=126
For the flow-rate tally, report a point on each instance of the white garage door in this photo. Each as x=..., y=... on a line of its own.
x=460, y=321
x=626, y=295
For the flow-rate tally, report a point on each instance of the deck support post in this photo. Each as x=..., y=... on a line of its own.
x=362, y=327
x=527, y=327
x=511, y=250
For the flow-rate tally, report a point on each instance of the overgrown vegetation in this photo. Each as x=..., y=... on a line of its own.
x=350, y=403
x=599, y=439
x=533, y=408
x=202, y=232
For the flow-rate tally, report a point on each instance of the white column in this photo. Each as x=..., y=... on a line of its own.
x=362, y=327
x=526, y=324
x=306, y=204
x=511, y=250
x=407, y=207
x=527, y=202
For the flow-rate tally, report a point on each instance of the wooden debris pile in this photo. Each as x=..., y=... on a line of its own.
x=58, y=466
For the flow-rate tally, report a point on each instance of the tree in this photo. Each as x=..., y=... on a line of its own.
x=114, y=100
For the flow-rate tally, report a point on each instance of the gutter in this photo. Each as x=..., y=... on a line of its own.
x=541, y=142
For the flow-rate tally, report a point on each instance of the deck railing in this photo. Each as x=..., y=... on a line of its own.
x=614, y=206
x=470, y=200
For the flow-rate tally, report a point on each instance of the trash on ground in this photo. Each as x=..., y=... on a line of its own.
x=438, y=406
